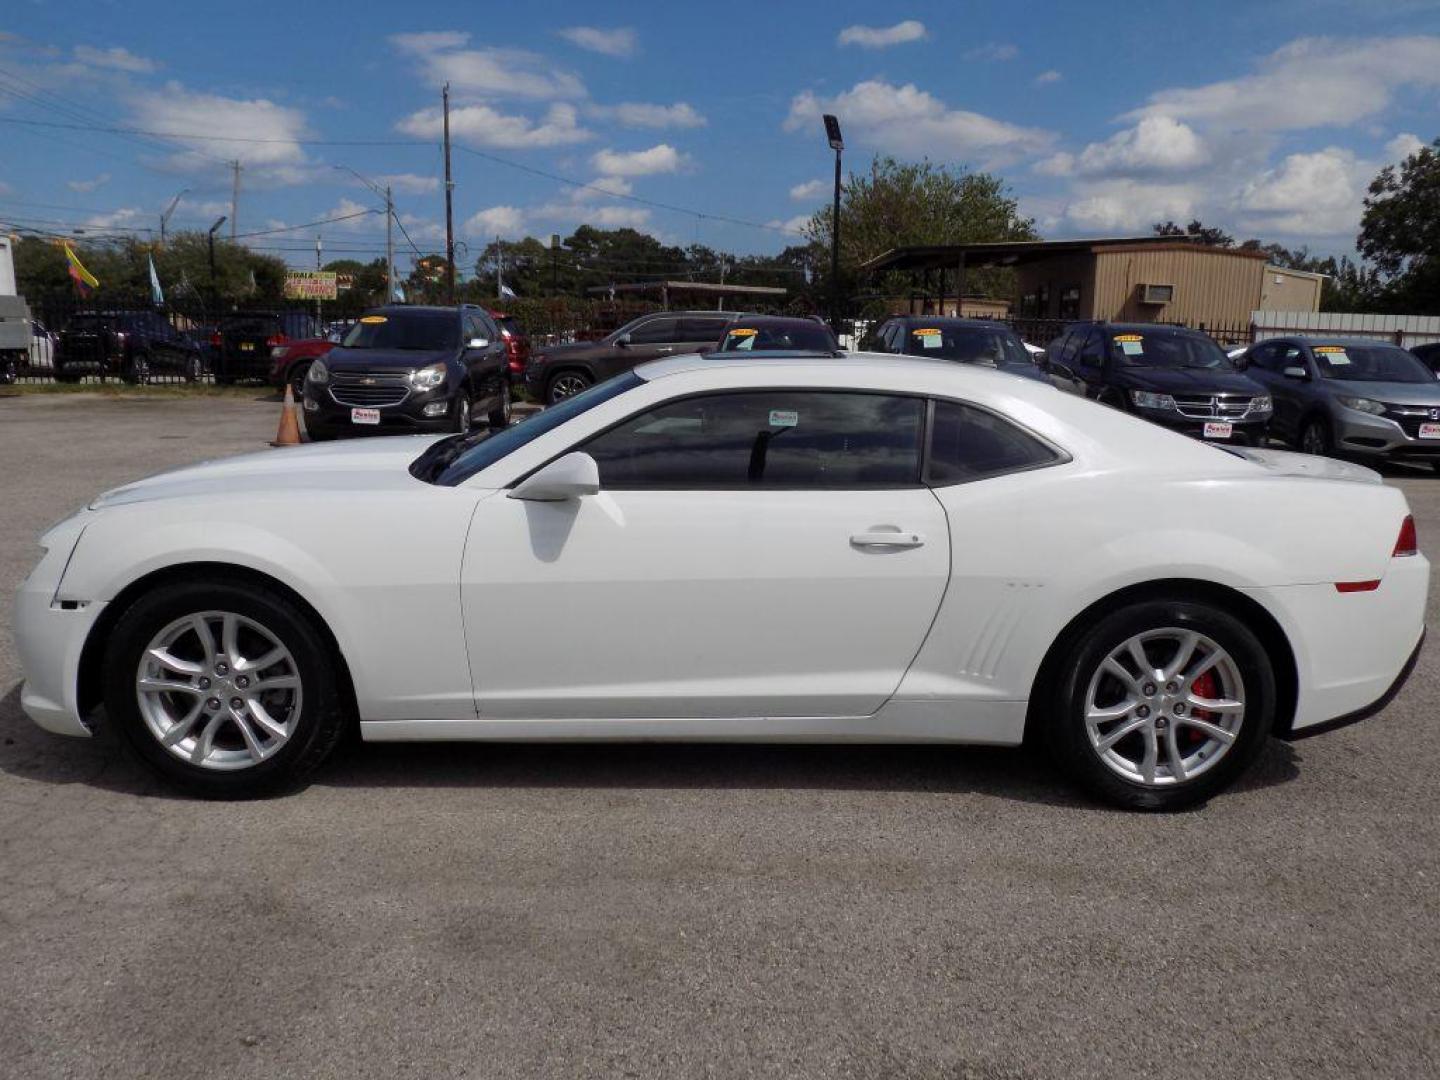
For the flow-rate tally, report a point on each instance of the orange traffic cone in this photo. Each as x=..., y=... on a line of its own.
x=289, y=433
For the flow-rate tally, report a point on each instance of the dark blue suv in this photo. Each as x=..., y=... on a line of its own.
x=135, y=345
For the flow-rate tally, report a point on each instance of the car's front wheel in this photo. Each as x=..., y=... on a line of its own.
x=499, y=416
x=194, y=369
x=137, y=371
x=460, y=421
x=1161, y=704
x=1315, y=438
x=225, y=688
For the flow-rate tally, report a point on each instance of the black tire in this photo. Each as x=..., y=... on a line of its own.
x=565, y=384
x=460, y=415
x=1063, y=726
x=9, y=370
x=137, y=370
x=1315, y=438
x=319, y=435
x=499, y=417
x=296, y=377
x=318, y=726
x=194, y=369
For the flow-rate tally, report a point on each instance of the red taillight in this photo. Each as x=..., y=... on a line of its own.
x=517, y=366
x=1407, y=543
x=215, y=339
x=276, y=339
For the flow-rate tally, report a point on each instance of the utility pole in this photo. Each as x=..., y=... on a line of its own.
x=499, y=270
x=554, y=264
x=318, y=261
x=449, y=204
x=165, y=217
x=389, y=246
x=837, y=143
x=235, y=199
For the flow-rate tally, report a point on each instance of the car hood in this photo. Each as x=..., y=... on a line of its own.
x=381, y=359
x=1187, y=380
x=1312, y=466
x=351, y=465
x=1394, y=392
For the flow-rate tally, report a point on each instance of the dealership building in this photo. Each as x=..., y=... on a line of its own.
x=1125, y=279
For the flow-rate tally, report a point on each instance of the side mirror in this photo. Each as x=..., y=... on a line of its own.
x=565, y=478
x=478, y=343
x=1296, y=372
x=623, y=341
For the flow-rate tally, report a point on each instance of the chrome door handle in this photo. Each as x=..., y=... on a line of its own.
x=665, y=348
x=888, y=539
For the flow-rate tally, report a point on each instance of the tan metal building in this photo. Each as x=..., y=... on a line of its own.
x=1127, y=279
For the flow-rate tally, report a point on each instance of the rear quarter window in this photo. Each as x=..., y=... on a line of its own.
x=969, y=443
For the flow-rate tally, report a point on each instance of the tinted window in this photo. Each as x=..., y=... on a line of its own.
x=967, y=443
x=702, y=329
x=510, y=325
x=1092, y=350
x=767, y=439
x=1369, y=363
x=970, y=344
x=656, y=331
x=799, y=335
x=1167, y=349
x=1068, y=345
x=405, y=330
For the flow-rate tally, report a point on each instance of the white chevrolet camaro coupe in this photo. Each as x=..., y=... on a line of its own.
x=867, y=549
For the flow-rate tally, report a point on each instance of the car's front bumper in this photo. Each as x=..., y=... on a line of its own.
x=1380, y=436
x=323, y=413
x=1247, y=432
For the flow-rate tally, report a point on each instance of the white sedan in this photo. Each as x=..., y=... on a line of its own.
x=865, y=549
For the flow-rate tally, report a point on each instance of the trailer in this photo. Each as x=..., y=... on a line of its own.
x=14, y=318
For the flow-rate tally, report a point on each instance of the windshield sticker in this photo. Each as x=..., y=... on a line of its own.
x=371, y=320
x=1131, y=346
x=1128, y=337
x=744, y=331
x=929, y=339
x=784, y=418
x=1334, y=355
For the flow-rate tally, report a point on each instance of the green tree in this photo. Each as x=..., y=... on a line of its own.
x=1400, y=232
x=896, y=204
x=1199, y=232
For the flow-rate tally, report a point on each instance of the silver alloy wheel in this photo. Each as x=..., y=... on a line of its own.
x=505, y=404
x=564, y=386
x=1164, y=706
x=219, y=690
x=462, y=413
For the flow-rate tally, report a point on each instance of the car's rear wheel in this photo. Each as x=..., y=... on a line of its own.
x=1161, y=704
x=226, y=689
x=137, y=370
x=1315, y=438
x=297, y=374
x=566, y=384
x=194, y=369
x=500, y=415
x=9, y=370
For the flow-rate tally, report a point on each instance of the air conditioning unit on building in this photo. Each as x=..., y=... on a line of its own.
x=1157, y=294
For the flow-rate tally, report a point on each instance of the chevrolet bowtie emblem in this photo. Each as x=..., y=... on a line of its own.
x=367, y=382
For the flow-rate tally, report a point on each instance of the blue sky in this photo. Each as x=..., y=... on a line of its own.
x=1266, y=118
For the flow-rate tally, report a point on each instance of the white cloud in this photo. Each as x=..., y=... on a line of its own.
x=1045, y=78
x=601, y=187
x=1155, y=144
x=88, y=185
x=1128, y=205
x=620, y=41
x=126, y=218
x=882, y=37
x=114, y=58
x=185, y=111
x=482, y=125
x=993, y=50
x=796, y=224
x=1318, y=193
x=907, y=120
x=810, y=189
x=357, y=216
x=637, y=114
x=492, y=72
x=661, y=158
x=1403, y=146
x=410, y=183
x=1311, y=82
x=507, y=221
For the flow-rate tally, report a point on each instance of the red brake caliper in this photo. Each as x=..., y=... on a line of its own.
x=1204, y=687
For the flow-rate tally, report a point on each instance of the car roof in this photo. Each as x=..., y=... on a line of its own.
x=1316, y=339
x=1135, y=327
x=781, y=320
x=423, y=309
x=953, y=321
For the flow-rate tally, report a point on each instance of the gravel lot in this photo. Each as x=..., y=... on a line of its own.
x=494, y=911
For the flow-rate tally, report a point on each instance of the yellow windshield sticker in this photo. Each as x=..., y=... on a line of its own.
x=744, y=331
x=1128, y=337
x=1330, y=348
x=924, y=333
x=372, y=319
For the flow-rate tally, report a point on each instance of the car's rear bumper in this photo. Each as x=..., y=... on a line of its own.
x=1367, y=711
x=1351, y=648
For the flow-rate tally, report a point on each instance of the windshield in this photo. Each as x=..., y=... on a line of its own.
x=454, y=460
x=409, y=330
x=1370, y=363
x=811, y=337
x=969, y=344
x=1168, y=349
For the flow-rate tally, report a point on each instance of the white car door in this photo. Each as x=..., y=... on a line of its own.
x=749, y=554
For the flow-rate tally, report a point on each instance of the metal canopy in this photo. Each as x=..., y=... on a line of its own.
x=1015, y=253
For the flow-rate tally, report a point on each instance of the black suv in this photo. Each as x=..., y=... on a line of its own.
x=134, y=345
x=244, y=339
x=558, y=371
x=1173, y=376
x=944, y=337
x=410, y=369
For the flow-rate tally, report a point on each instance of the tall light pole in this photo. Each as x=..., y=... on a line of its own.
x=165, y=217
x=218, y=222
x=837, y=143
x=449, y=209
x=384, y=193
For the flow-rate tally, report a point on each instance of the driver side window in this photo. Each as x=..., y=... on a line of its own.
x=656, y=332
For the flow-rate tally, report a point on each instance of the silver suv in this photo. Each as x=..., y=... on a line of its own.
x=1349, y=396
